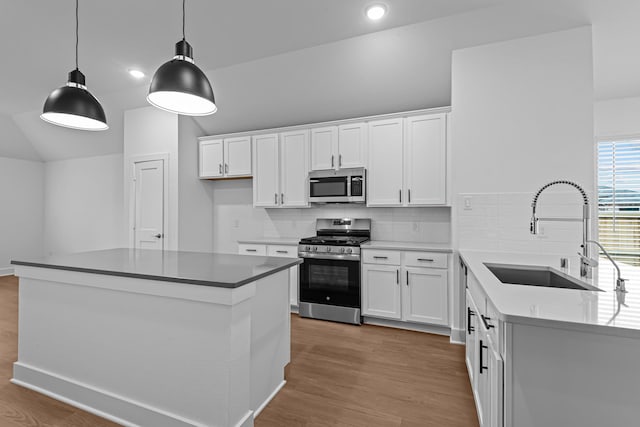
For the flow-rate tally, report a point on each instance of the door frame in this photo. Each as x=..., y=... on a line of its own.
x=131, y=167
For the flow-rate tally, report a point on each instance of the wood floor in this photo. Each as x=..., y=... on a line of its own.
x=340, y=375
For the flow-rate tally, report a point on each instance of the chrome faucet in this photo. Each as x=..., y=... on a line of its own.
x=586, y=263
x=620, y=282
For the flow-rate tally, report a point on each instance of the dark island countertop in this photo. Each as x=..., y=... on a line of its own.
x=195, y=268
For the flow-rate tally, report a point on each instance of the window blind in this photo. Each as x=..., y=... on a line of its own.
x=619, y=199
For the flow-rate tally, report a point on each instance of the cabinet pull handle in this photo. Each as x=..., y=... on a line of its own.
x=332, y=160
x=409, y=194
x=226, y=168
x=425, y=259
x=469, y=314
x=485, y=321
x=380, y=257
x=482, y=367
x=282, y=252
x=251, y=250
x=397, y=277
x=276, y=198
x=282, y=198
x=400, y=193
x=220, y=168
x=407, y=278
x=340, y=160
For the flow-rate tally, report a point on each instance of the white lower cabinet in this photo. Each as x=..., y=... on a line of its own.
x=286, y=251
x=393, y=290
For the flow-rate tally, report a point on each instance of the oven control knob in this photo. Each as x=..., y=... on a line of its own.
x=328, y=248
x=343, y=250
x=348, y=250
x=307, y=248
x=315, y=249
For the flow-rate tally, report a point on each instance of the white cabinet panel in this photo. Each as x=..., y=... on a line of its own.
x=324, y=143
x=381, y=291
x=377, y=256
x=265, y=170
x=424, y=298
x=294, y=168
x=471, y=314
x=426, y=259
x=352, y=145
x=211, y=158
x=237, y=156
x=425, y=159
x=248, y=249
x=496, y=386
x=385, y=163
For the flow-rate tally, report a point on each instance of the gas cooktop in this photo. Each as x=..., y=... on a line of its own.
x=334, y=240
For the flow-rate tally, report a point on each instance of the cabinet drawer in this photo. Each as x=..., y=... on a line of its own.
x=492, y=319
x=282, y=251
x=247, y=249
x=477, y=294
x=374, y=256
x=425, y=259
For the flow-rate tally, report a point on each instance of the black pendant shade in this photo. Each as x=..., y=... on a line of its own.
x=73, y=106
x=179, y=86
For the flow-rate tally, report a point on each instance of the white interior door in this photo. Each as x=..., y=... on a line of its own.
x=149, y=205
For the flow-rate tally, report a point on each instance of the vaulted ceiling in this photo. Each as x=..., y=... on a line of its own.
x=261, y=55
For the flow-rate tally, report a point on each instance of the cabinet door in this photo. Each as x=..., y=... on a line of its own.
x=265, y=171
x=482, y=390
x=381, y=291
x=471, y=339
x=426, y=160
x=425, y=296
x=496, y=386
x=324, y=143
x=385, y=163
x=211, y=158
x=237, y=156
x=352, y=145
x=288, y=251
x=294, y=169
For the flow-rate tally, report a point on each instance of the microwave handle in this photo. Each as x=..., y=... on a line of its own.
x=314, y=180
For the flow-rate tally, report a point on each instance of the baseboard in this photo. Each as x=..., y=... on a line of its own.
x=458, y=336
x=294, y=309
x=101, y=402
x=268, y=399
x=431, y=329
x=6, y=271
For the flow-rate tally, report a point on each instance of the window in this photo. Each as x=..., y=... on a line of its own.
x=619, y=199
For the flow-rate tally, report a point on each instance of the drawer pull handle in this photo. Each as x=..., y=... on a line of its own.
x=469, y=314
x=251, y=250
x=485, y=319
x=282, y=252
x=397, y=277
x=380, y=257
x=426, y=259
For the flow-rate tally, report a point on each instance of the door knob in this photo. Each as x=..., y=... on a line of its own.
x=158, y=236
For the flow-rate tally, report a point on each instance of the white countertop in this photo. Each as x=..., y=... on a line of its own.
x=407, y=246
x=591, y=311
x=270, y=241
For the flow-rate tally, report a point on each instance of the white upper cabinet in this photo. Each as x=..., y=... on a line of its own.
x=211, y=158
x=338, y=147
x=237, y=156
x=425, y=160
x=266, y=187
x=294, y=169
x=225, y=158
x=385, y=174
x=324, y=144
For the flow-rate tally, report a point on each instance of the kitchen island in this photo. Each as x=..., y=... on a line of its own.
x=155, y=338
x=549, y=356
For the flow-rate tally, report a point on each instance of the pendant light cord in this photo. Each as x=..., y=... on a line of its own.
x=76, y=34
x=183, y=13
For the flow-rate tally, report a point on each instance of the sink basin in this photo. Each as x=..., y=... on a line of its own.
x=530, y=275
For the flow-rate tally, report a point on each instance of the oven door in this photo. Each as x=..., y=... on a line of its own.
x=330, y=281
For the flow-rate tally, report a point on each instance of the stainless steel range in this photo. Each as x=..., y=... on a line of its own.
x=330, y=273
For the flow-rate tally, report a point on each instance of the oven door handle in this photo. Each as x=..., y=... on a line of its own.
x=336, y=257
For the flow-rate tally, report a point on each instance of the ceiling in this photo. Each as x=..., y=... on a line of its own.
x=229, y=36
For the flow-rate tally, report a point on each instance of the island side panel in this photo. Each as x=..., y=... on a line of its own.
x=270, y=337
x=146, y=359
x=570, y=378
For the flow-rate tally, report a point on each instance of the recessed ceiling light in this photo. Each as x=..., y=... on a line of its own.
x=136, y=73
x=376, y=11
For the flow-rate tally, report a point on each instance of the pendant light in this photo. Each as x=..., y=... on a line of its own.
x=179, y=86
x=72, y=105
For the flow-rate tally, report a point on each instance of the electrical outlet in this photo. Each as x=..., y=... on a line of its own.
x=467, y=203
x=236, y=223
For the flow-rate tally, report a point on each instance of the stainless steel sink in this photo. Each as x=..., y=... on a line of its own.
x=530, y=275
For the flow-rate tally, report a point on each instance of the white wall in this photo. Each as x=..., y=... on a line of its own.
x=84, y=204
x=149, y=131
x=617, y=118
x=235, y=218
x=195, y=198
x=21, y=210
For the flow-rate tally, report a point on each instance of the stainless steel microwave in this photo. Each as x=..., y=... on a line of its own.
x=341, y=186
